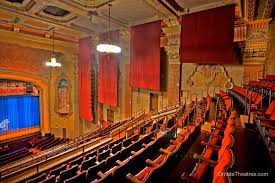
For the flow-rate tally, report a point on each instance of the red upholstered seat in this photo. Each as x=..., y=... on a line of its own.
x=199, y=172
x=143, y=174
x=226, y=162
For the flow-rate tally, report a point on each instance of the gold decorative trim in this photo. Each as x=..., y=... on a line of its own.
x=64, y=113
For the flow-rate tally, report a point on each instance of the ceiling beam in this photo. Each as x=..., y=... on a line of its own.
x=168, y=8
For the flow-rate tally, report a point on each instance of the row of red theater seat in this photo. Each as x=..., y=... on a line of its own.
x=263, y=87
x=217, y=155
x=4, y=148
x=262, y=84
x=97, y=158
x=245, y=96
x=269, y=78
x=15, y=155
x=224, y=101
x=265, y=122
x=122, y=156
x=159, y=163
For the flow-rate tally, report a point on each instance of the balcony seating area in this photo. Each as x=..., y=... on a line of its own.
x=265, y=123
x=14, y=155
x=141, y=156
x=46, y=142
x=269, y=78
x=217, y=156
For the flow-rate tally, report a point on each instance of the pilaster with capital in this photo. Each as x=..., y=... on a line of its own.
x=172, y=45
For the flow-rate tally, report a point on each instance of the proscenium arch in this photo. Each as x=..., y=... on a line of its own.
x=42, y=85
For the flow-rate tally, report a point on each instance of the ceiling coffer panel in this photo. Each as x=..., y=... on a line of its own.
x=54, y=13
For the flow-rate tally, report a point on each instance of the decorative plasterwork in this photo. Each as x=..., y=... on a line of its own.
x=268, y=9
x=25, y=6
x=210, y=75
x=158, y=8
x=172, y=41
x=63, y=104
x=206, y=79
x=251, y=4
x=257, y=41
x=90, y=4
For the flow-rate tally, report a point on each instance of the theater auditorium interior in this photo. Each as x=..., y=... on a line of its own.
x=156, y=91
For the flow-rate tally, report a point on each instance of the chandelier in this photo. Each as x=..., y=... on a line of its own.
x=108, y=47
x=53, y=62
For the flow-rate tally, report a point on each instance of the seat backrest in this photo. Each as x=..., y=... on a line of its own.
x=103, y=156
x=116, y=148
x=227, y=142
x=126, y=142
x=57, y=171
x=37, y=179
x=78, y=178
x=111, y=161
x=77, y=161
x=226, y=162
x=51, y=179
x=92, y=154
x=135, y=137
x=272, y=116
x=88, y=163
x=92, y=171
x=270, y=108
x=100, y=150
x=68, y=173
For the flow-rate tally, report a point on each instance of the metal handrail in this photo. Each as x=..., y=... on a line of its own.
x=245, y=76
x=66, y=147
x=258, y=74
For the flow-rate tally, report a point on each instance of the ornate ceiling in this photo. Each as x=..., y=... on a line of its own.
x=73, y=19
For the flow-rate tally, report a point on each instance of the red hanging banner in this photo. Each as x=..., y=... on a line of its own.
x=207, y=36
x=108, y=72
x=145, y=56
x=84, y=78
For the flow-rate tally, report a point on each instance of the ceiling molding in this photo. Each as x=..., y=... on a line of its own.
x=158, y=8
x=209, y=6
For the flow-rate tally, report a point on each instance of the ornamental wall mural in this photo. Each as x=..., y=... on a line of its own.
x=207, y=79
x=63, y=99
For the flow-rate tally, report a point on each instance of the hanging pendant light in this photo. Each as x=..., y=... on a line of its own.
x=108, y=47
x=53, y=62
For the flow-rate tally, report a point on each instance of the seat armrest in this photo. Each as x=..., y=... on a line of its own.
x=152, y=163
x=213, y=146
x=132, y=178
x=100, y=174
x=119, y=162
x=165, y=151
x=134, y=153
x=205, y=160
x=144, y=145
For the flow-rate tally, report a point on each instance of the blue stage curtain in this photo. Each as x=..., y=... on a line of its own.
x=19, y=111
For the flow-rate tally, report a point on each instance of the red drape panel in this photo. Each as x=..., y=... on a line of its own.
x=84, y=78
x=108, y=72
x=107, y=79
x=145, y=56
x=207, y=36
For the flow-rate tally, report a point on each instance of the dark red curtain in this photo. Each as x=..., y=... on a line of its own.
x=84, y=78
x=107, y=79
x=145, y=56
x=108, y=73
x=207, y=36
